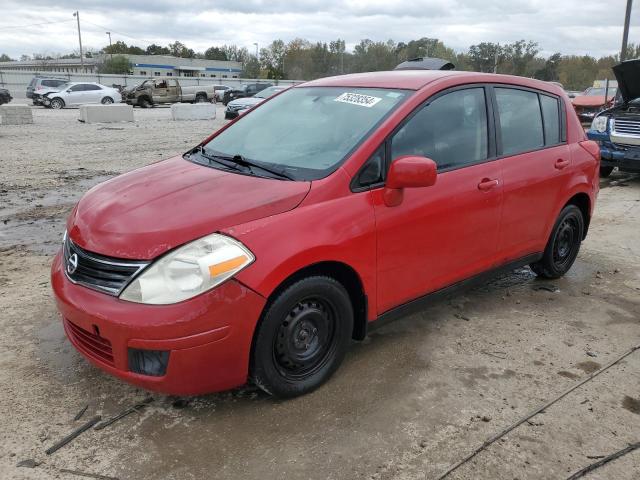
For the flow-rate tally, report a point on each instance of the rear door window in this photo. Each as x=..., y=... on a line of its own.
x=551, y=116
x=92, y=87
x=451, y=130
x=520, y=120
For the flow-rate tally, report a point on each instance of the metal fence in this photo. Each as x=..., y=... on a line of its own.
x=16, y=81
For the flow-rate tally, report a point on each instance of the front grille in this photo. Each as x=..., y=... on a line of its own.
x=105, y=274
x=90, y=343
x=626, y=126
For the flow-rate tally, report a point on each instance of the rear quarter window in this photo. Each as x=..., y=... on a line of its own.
x=520, y=120
x=551, y=116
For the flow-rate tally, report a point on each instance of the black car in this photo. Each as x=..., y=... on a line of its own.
x=248, y=90
x=5, y=96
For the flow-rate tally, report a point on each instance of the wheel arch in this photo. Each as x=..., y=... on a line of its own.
x=583, y=202
x=346, y=276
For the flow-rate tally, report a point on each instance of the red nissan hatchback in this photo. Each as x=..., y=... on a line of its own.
x=262, y=252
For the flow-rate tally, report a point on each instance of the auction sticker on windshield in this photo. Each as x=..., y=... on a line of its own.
x=358, y=99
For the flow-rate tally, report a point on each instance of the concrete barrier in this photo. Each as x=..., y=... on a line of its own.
x=15, y=114
x=195, y=111
x=117, y=112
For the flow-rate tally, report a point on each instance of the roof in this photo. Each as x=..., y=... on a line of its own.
x=417, y=79
x=407, y=79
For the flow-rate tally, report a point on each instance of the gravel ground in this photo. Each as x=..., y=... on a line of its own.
x=414, y=398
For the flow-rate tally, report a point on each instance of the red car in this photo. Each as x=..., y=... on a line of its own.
x=261, y=253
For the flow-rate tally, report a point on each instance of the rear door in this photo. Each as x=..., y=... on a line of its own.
x=441, y=234
x=93, y=93
x=159, y=92
x=173, y=91
x=536, y=167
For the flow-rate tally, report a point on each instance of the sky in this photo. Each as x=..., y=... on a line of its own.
x=580, y=27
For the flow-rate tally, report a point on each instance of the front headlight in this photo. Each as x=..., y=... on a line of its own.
x=189, y=270
x=600, y=124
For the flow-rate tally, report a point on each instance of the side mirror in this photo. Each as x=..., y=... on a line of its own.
x=408, y=172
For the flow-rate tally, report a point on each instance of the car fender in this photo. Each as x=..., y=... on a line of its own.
x=340, y=230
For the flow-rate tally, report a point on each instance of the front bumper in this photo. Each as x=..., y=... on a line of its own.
x=625, y=157
x=208, y=337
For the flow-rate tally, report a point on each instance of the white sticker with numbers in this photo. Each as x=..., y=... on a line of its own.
x=357, y=99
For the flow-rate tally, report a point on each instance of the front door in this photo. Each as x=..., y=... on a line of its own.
x=441, y=234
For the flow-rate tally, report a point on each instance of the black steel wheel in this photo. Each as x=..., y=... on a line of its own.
x=201, y=98
x=563, y=245
x=302, y=337
x=107, y=101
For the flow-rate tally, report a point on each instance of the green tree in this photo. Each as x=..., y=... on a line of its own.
x=179, y=49
x=484, y=56
x=6, y=58
x=215, y=53
x=154, y=49
x=118, y=65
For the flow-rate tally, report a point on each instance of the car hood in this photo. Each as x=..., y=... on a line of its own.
x=144, y=213
x=589, y=101
x=246, y=102
x=628, y=76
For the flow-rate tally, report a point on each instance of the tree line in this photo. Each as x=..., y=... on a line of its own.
x=301, y=59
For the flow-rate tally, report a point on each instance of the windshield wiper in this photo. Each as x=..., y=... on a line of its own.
x=214, y=158
x=245, y=162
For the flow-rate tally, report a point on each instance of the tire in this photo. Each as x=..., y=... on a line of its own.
x=107, y=101
x=605, y=171
x=144, y=102
x=201, y=98
x=302, y=337
x=563, y=245
x=56, y=103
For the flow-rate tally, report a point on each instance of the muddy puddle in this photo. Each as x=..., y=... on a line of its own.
x=34, y=219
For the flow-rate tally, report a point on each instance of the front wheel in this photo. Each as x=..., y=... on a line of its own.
x=605, y=171
x=57, y=103
x=107, y=101
x=302, y=337
x=563, y=245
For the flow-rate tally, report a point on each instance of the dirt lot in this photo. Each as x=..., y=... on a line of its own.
x=414, y=398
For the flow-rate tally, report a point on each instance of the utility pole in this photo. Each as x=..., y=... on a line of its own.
x=110, y=46
x=77, y=15
x=256, y=44
x=625, y=32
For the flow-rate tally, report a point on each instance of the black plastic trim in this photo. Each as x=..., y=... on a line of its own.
x=420, y=303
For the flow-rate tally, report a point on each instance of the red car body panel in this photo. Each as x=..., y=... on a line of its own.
x=436, y=236
x=120, y=217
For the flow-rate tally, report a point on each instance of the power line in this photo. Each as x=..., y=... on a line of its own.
x=33, y=24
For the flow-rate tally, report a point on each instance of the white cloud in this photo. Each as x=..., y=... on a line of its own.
x=574, y=27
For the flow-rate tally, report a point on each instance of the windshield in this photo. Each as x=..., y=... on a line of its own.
x=267, y=92
x=307, y=131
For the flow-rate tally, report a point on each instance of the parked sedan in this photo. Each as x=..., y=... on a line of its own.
x=219, y=92
x=77, y=93
x=235, y=108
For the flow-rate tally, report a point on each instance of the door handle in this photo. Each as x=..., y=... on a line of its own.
x=487, y=184
x=561, y=163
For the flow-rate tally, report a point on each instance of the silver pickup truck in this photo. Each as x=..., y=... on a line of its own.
x=156, y=91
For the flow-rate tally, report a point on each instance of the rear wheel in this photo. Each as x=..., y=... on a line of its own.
x=605, y=171
x=302, y=337
x=57, y=103
x=107, y=101
x=201, y=98
x=563, y=245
